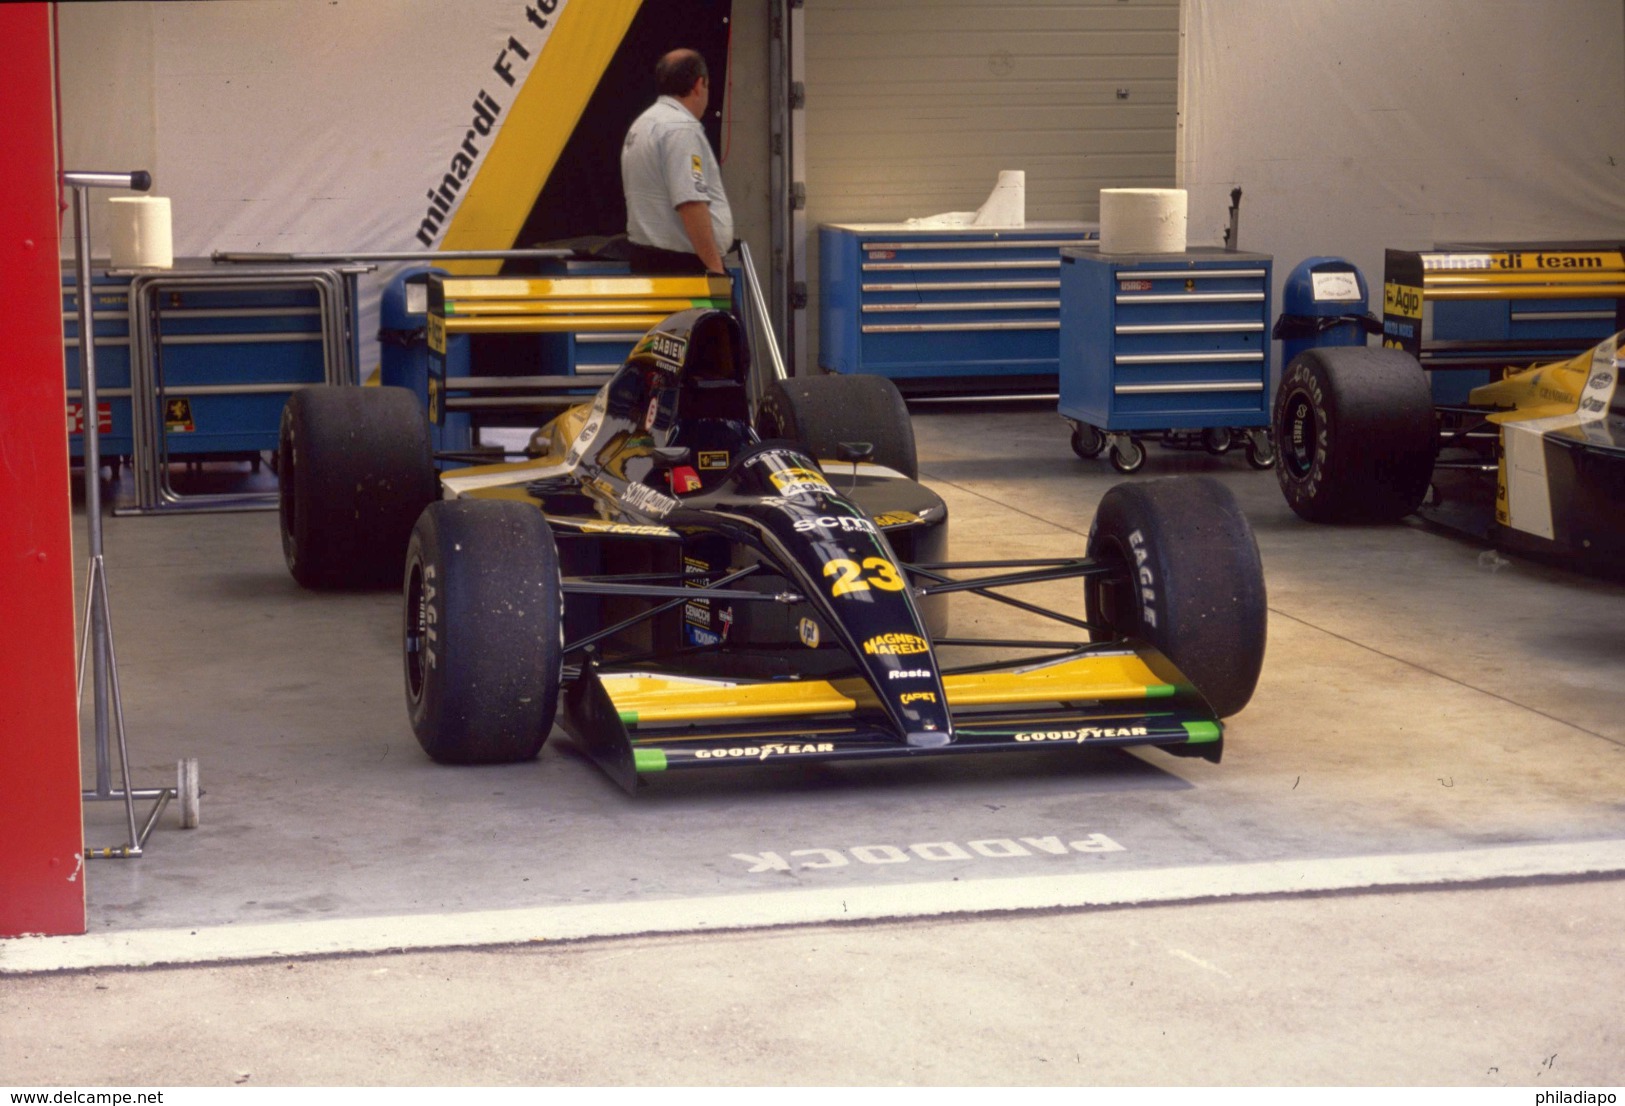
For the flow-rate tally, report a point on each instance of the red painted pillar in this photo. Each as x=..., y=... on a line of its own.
x=42, y=877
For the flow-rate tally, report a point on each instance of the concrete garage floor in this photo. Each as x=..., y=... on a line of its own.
x=1407, y=869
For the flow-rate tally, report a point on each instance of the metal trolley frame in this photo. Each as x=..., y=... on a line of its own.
x=96, y=641
x=154, y=493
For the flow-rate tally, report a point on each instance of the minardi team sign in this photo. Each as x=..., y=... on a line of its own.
x=518, y=51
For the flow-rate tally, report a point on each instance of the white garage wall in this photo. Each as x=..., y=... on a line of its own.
x=914, y=106
x=1354, y=127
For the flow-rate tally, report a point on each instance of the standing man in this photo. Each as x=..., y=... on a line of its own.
x=677, y=215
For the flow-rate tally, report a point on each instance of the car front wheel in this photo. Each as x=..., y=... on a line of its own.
x=482, y=631
x=1188, y=581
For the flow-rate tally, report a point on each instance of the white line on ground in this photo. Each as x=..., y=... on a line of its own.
x=1199, y=962
x=143, y=948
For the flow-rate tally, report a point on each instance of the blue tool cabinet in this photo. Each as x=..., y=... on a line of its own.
x=1564, y=322
x=1165, y=342
x=1587, y=321
x=970, y=308
x=110, y=303
x=224, y=362
x=195, y=363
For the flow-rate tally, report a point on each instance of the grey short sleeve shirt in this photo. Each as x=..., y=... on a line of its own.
x=667, y=161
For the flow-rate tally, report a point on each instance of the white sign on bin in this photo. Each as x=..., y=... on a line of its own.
x=1335, y=287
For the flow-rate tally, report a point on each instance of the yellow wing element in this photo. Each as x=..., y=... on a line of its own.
x=665, y=700
x=532, y=305
x=1546, y=398
x=1543, y=390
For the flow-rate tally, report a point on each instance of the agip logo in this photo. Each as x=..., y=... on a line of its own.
x=1402, y=299
x=799, y=481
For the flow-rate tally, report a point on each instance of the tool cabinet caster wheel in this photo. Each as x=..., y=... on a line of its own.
x=1216, y=440
x=187, y=790
x=1260, y=451
x=1127, y=459
x=1087, y=441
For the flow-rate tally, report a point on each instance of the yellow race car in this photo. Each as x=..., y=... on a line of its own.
x=1533, y=459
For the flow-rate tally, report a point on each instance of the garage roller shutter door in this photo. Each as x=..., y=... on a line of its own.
x=913, y=106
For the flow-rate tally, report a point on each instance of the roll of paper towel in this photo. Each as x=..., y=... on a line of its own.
x=1142, y=220
x=141, y=234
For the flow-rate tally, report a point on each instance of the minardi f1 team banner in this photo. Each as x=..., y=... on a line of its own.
x=332, y=126
x=552, y=171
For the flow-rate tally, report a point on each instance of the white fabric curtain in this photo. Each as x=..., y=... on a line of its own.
x=1353, y=127
x=288, y=126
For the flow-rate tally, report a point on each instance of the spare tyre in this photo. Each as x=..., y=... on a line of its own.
x=1355, y=434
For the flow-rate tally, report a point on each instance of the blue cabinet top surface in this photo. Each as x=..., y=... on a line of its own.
x=1196, y=255
x=1085, y=229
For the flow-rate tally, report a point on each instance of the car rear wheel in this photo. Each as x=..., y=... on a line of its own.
x=1188, y=582
x=1355, y=434
x=482, y=631
x=821, y=412
x=354, y=471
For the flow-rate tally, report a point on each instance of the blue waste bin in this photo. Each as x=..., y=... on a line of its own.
x=1324, y=303
x=403, y=352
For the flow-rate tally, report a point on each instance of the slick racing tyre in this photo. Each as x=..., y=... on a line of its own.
x=1188, y=582
x=821, y=412
x=354, y=471
x=1355, y=434
x=482, y=631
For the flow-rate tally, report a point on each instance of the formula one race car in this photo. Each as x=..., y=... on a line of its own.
x=689, y=582
x=1534, y=459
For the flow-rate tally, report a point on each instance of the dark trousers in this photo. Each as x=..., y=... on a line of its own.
x=656, y=261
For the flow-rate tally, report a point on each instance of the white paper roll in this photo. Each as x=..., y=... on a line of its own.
x=1142, y=220
x=1007, y=205
x=142, y=237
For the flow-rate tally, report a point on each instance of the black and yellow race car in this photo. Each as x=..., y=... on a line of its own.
x=1526, y=447
x=686, y=576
